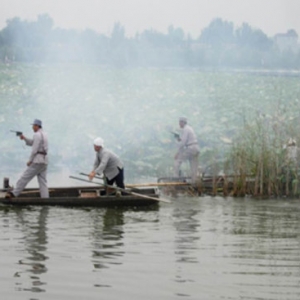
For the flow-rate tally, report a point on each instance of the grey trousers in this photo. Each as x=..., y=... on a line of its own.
x=39, y=170
x=191, y=154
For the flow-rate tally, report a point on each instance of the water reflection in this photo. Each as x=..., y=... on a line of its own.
x=248, y=249
x=262, y=222
x=260, y=243
x=33, y=225
x=186, y=224
x=107, y=234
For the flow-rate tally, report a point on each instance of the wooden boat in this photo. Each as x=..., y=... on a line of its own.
x=84, y=196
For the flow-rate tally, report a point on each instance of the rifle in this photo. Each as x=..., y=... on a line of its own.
x=175, y=134
x=18, y=133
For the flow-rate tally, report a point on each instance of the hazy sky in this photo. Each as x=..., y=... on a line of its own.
x=272, y=16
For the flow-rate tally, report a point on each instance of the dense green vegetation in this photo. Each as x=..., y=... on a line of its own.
x=233, y=114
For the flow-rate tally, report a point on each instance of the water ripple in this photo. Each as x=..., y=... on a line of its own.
x=195, y=248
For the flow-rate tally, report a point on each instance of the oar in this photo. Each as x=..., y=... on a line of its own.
x=98, y=177
x=147, y=184
x=122, y=190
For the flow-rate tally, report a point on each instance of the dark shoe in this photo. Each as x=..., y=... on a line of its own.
x=9, y=195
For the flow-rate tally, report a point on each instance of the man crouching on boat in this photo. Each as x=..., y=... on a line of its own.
x=37, y=163
x=107, y=163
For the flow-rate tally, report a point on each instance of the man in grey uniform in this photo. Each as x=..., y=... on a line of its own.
x=108, y=163
x=37, y=163
x=188, y=149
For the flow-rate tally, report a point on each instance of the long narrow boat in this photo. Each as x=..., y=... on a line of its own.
x=84, y=196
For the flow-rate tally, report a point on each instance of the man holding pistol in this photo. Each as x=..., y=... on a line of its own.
x=37, y=163
x=188, y=149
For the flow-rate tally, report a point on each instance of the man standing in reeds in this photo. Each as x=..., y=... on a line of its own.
x=291, y=153
x=291, y=165
x=188, y=149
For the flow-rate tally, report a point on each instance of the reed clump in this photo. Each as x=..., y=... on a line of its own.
x=263, y=159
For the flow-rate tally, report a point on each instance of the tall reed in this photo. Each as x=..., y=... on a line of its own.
x=258, y=162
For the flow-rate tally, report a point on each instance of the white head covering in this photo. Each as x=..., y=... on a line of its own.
x=98, y=142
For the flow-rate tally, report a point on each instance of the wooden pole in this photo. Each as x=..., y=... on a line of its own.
x=148, y=184
x=122, y=190
x=158, y=184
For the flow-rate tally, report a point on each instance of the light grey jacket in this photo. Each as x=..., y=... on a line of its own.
x=107, y=162
x=187, y=139
x=39, y=143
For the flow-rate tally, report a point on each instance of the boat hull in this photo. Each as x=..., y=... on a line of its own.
x=108, y=201
x=83, y=196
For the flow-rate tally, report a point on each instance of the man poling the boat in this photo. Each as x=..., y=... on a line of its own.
x=37, y=163
x=108, y=164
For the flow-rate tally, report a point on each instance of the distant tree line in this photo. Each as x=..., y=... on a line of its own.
x=220, y=45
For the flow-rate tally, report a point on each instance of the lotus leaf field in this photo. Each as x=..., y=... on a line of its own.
x=242, y=119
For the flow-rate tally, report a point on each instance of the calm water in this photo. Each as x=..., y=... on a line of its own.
x=194, y=248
